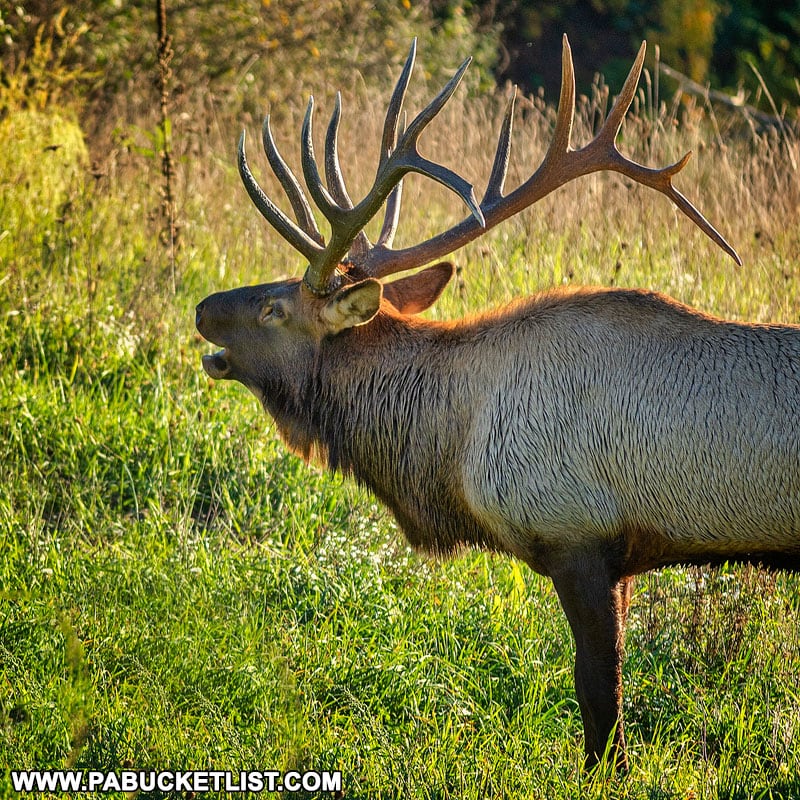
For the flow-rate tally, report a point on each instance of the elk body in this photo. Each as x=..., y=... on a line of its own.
x=593, y=433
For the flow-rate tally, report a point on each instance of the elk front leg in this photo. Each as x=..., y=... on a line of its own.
x=596, y=606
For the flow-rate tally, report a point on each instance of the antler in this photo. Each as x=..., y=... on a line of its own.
x=399, y=156
x=560, y=165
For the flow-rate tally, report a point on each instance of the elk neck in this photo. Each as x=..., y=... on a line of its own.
x=390, y=403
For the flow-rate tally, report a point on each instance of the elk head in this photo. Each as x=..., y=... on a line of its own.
x=270, y=331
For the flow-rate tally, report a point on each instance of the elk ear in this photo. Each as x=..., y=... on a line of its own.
x=415, y=293
x=353, y=305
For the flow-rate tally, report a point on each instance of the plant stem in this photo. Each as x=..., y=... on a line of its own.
x=165, y=54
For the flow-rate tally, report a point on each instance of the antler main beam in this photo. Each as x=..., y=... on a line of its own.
x=560, y=165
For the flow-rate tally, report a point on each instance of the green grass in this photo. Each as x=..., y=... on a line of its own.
x=178, y=592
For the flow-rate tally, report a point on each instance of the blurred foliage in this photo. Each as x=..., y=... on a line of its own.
x=241, y=55
x=764, y=36
x=712, y=41
x=39, y=66
x=685, y=31
x=42, y=157
x=235, y=55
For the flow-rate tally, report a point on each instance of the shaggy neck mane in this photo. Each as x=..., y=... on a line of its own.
x=383, y=404
x=369, y=397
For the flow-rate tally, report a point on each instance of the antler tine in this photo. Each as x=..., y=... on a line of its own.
x=497, y=178
x=319, y=194
x=290, y=184
x=298, y=238
x=389, y=138
x=343, y=221
x=406, y=157
x=661, y=180
x=391, y=218
x=346, y=221
x=559, y=148
x=333, y=171
x=334, y=177
x=566, y=103
x=608, y=133
x=421, y=121
x=559, y=144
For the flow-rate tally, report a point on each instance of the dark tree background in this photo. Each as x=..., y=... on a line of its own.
x=712, y=42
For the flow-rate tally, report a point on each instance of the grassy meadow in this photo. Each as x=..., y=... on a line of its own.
x=178, y=592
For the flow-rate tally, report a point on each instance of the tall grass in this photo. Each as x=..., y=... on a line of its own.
x=176, y=591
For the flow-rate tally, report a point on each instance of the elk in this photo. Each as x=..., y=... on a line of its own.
x=593, y=433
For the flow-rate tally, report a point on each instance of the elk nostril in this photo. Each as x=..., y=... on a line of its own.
x=198, y=313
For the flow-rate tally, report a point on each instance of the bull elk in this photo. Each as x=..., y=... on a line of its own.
x=593, y=433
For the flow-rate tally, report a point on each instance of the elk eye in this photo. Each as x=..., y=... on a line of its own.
x=271, y=311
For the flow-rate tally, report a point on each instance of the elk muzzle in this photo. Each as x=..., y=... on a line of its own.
x=216, y=365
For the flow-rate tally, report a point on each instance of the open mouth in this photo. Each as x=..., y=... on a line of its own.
x=216, y=365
